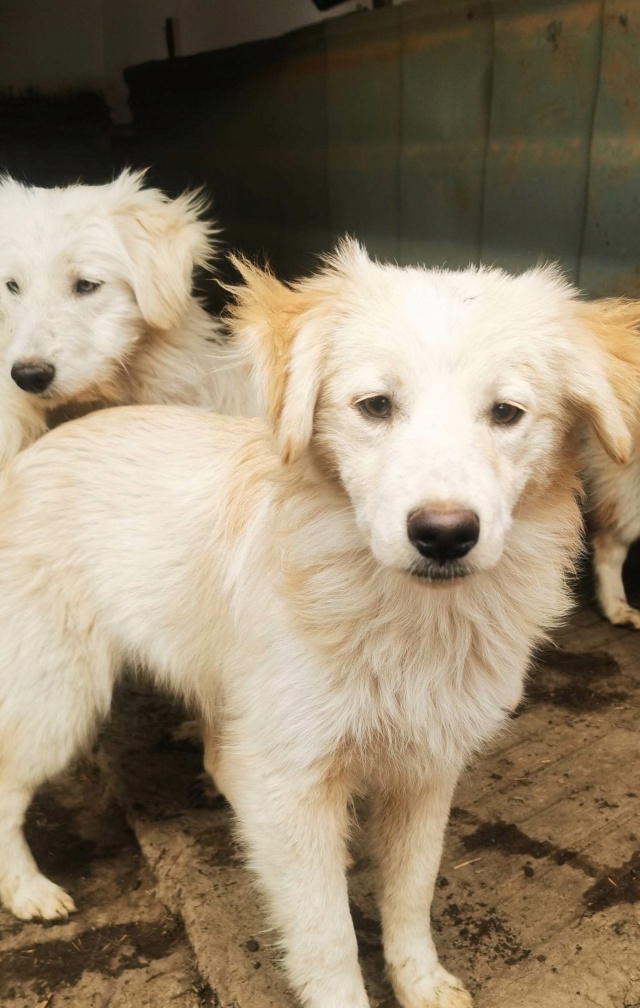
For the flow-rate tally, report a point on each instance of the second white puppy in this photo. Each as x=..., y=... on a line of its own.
x=350, y=595
x=613, y=492
x=96, y=305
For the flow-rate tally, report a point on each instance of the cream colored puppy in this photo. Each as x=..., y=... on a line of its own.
x=350, y=594
x=96, y=306
x=613, y=492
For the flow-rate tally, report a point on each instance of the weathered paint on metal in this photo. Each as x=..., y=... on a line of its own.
x=363, y=94
x=611, y=255
x=439, y=131
x=447, y=51
x=301, y=127
x=544, y=93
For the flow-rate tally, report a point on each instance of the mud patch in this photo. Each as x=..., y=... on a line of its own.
x=510, y=839
x=156, y=773
x=368, y=930
x=203, y=794
x=572, y=680
x=57, y=846
x=207, y=998
x=108, y=950
x=506, y=837
x=62, y=847
x=219, y=847
x=484, y=932
x=615, y=886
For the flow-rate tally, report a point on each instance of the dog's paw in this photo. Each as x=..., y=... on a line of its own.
x=435, y=988
x=40, y=899
x=624, y=616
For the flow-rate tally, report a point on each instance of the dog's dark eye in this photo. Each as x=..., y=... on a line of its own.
x=377, y=407
x=506, y=414
x=86, y=286
x=13, y=286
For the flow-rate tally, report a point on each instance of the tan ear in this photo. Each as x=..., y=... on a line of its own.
x=302, y=389
x=165, y=239
x=606, y=377
x=280, y=329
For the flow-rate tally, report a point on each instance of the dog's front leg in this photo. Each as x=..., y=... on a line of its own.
x=295, y=830
x=609, y=554
x=409, y=820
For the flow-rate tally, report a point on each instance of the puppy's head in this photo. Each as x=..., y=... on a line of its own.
x=441, y=401
x=85, y=273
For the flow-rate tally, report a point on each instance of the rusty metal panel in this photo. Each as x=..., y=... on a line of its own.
x=238, y=148
x=299, y=147
x=447, y=49
x=363, y=93
x=251, y=124
x=441, y=131
x=544, y=91
x=611, y=258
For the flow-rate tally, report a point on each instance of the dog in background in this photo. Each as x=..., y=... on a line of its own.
x=350, y=591
x=613, y=492
x=96, y=306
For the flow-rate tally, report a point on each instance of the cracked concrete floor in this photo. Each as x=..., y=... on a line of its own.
x=537, y=900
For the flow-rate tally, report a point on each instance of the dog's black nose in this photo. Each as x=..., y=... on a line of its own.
x=443, y=534
x=33, y=376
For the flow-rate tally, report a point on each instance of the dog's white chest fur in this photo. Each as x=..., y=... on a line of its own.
x=377, y=666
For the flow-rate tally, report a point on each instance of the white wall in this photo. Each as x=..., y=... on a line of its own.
x=55, y=45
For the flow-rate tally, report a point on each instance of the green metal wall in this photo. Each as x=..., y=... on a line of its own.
x=439, y=131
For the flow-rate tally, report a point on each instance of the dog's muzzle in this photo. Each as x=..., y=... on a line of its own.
x=443, y=534
x=430, y=571
x=33, y=376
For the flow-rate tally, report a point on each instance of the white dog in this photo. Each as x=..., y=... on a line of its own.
x=96, y=306
x=613, y=492
x=350, y=595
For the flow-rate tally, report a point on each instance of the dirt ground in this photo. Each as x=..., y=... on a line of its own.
x=537, y=903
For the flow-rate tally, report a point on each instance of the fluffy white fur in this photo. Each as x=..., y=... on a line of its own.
x=139, y=337
x=613, y=492
x=264, y=572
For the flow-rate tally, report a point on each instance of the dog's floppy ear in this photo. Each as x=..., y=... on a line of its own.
x=605, y=377
x=282, y=330
x=165, y=240
x=274, y=328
